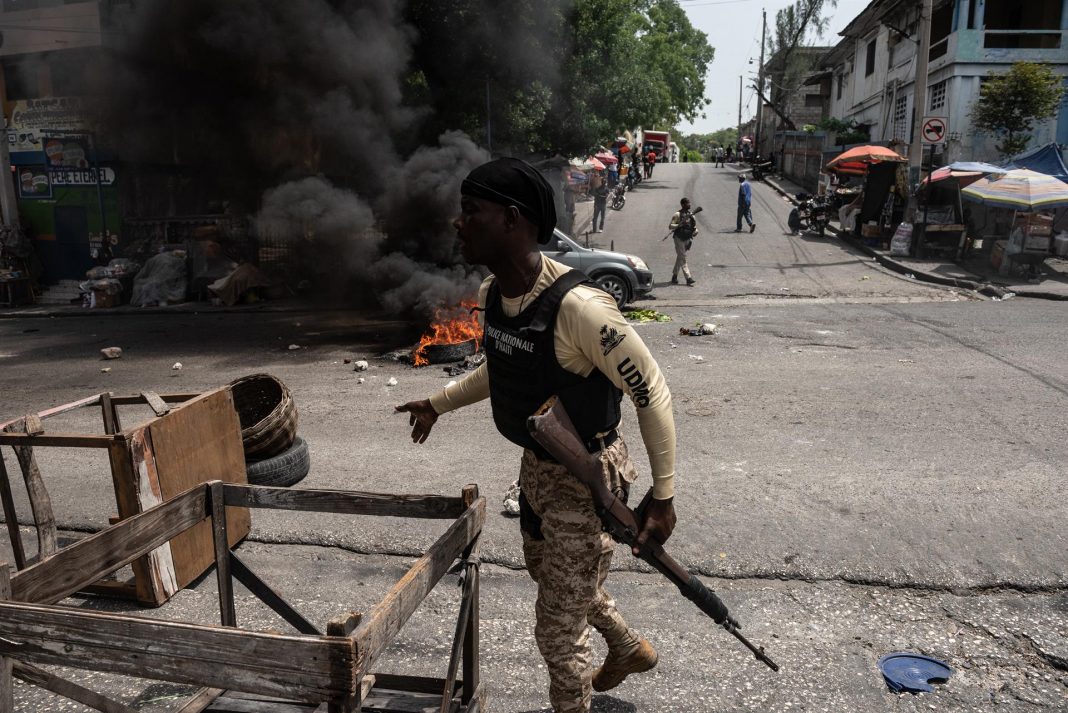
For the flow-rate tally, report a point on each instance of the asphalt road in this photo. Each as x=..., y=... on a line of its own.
x=866, y=464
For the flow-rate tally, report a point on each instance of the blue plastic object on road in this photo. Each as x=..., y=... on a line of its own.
x=905, y=672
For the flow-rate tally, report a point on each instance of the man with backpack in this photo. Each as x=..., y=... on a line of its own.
x=683, y=228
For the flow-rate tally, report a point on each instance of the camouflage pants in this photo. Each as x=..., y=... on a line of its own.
x=570, y=565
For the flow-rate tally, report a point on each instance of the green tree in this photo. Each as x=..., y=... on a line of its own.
x=1009, y=104
x=561, y=75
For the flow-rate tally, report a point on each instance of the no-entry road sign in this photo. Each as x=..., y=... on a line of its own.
x=933, y=130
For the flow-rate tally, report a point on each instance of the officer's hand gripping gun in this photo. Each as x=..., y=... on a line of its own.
x=551, y=427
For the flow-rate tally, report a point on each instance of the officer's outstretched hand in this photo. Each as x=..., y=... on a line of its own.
x=658, y=522
x=421, y=417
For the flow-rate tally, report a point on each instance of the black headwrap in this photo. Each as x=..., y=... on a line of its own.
x=509, y=181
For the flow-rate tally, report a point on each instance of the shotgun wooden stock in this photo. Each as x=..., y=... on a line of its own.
x=551, y=427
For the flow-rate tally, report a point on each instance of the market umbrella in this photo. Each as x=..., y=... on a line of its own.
x=1019, y=189
x=946, y=173
x=858, y=158
x=606, y=158
x=595, y=163
x=583, y=164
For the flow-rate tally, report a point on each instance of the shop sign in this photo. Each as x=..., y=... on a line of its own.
x=33, y=182
x=32, y=120
x=82, y=177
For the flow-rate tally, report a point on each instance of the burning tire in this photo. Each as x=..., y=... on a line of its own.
x=444, y=353
x=283, y=470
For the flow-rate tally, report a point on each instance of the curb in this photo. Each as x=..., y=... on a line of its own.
x=983, y=288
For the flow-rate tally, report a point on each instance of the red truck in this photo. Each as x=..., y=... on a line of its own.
x=657, y=141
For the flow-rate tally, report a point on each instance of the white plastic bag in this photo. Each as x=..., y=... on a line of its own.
x=902, y=240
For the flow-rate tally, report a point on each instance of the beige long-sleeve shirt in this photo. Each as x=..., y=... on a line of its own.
x=592, y=334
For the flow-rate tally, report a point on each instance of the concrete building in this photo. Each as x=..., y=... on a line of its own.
x=872, y=69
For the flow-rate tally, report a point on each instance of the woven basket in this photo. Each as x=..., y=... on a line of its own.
x=268, y=415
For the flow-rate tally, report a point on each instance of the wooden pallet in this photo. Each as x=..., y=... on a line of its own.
x=324, y=672
x=193, y=438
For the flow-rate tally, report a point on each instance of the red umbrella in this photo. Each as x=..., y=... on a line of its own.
x=858, y=158
x=965, y=178
x=606, y=158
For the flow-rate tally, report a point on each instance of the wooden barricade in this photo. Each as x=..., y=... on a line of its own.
x=244, y=670
x=192, y=439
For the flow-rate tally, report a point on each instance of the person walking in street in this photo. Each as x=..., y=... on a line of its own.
x=600, y=205
x=650, y=163
x=745, y=204
x=547, y=330
x=719, y=157
x=730, y=154
x=683, y=228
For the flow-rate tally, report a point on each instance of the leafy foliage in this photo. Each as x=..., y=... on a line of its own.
x=560, y=75
x=1009, y=104
x=846, y=132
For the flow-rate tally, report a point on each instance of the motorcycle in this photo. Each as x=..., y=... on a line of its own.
x=761, y=168
x=618, y=196
x=810, y=213
x=634, y=177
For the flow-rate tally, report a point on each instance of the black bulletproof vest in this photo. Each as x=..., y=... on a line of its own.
x=524, y=371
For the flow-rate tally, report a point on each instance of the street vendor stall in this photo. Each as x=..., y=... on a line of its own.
x=874, y=210
x=942, y=226
x=1032, y=197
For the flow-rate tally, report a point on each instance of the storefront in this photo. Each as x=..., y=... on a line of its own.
x=68, y=197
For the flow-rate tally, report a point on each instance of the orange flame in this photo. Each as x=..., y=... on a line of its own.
x=451, y=325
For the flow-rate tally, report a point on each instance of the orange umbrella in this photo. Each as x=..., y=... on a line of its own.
x=858, y=158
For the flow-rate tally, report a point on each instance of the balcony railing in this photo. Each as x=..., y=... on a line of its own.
x=1022, y=39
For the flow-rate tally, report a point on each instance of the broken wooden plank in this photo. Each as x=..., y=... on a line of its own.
x=11, y=517
x=384, y=621
x=110, y=414
x=227, y=610
x=138, y=399
x=201, y=700
x=72, y=440
x=345, y=502
x=292, y=667
x=100, y=554
x=40, y=502
x=473, y=572
x=158, y=405
x=268, y=596
x=68, y=689
x=62, y=408
x=7, y=685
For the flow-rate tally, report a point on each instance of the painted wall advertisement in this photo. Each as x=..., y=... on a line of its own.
x=33, y=182
x=33, y=120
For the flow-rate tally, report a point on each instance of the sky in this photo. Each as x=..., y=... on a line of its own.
x=733, y=29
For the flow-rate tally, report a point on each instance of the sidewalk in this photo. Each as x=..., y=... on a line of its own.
x=975, y=274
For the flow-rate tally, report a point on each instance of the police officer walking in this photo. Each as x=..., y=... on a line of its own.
x=683, y=228
x=549, y=331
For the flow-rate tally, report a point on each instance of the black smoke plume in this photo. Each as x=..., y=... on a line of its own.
x=295, y=112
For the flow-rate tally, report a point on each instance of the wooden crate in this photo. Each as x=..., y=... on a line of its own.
x=245, y=670
x=192, y=439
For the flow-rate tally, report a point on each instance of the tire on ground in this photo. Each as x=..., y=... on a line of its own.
x=284, y=469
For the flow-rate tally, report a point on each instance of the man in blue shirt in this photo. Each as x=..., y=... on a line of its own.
x=745, y=202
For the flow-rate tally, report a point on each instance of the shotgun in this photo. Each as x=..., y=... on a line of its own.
x=551, y=427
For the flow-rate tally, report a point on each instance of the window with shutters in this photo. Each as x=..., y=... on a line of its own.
x=901, y=115
x=869, y=62
x=937, y=96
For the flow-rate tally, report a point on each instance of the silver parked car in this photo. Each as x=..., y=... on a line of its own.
x=625, y=277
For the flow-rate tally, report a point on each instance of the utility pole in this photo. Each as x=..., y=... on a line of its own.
x=760, y=80
x=919, y=94
x=738, y=141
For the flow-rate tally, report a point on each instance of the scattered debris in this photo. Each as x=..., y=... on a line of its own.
x=907, y=361
x=105, y=370
x=910, y=276
x=866, y=277
x=294, y=347
x=348, y=361
x=699, y=330
x=360, y=380
x=1008, y=295
x=454, y=370
x=673, y=345
x=696, y=357
x=646, y=315
x=111, y=352
x=475, y=360
x=360, y=365
x=511, y=500
x=177, y=366
x=392, y=381
x=784, y=289
x=905, y=672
